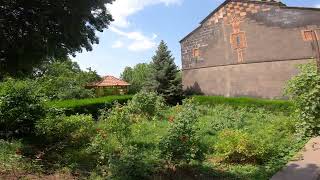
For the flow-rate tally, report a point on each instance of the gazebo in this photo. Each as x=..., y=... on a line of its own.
x=110, y=85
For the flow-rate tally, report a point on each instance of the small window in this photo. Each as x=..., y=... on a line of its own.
x=238, y=40
x=308, y=35
x=196, y=53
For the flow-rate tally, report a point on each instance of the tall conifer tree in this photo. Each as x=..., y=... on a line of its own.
x=165, y=79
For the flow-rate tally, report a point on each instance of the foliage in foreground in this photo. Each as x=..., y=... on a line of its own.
x=181, y=144
x=304, y=90
x=189, y=141
x=20, y=108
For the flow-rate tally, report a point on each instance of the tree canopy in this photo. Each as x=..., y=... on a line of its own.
x=65, y=80
x=137, y=76
x=36, y=31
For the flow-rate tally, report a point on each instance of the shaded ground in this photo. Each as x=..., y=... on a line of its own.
x=306, y=168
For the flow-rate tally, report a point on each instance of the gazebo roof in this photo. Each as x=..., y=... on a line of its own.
x=109, y=81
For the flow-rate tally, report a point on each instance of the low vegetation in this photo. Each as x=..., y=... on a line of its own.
x=270, y=105
x=47, y=130
x=146, y=139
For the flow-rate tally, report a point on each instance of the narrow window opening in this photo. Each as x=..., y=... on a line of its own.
x=238, y=40
x=196, y=53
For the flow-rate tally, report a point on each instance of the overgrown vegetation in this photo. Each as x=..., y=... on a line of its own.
x=20, y=108
x=304, y=90
x=145, y=139
x=269, y=105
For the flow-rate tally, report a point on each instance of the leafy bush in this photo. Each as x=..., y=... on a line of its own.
x=181, y=144
x=258, y=143
x=131, y=164
x=148, y=104
x=20, y=107
x=282, y=106
x=113, y=133
x=304, y=90
x=67, y=129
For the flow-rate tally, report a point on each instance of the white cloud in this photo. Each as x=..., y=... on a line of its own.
x=122, y=9
x=140, y=42
x=317, y=6
x=117, y=44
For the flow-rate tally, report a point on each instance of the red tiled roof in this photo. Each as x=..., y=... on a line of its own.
x=109, y=81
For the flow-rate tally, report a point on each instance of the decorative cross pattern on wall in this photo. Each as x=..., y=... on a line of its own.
x=238, y=37
x=240, y=9
x=233, y=14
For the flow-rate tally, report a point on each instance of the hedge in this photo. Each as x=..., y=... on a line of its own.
x=88, y=106
x=285, y=106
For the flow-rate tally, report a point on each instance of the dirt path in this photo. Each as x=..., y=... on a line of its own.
x=307, y=168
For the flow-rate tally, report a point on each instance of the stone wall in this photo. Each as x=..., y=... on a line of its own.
x=271, y=32
x=265, y=80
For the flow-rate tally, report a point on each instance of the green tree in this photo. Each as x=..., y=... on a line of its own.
x=36, y=31
x=165, y=79
x=65, y=80
x=137, y=76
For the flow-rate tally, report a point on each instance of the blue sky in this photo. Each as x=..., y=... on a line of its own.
x=141, y=24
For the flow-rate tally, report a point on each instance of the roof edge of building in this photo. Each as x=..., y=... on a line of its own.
x=226, y=2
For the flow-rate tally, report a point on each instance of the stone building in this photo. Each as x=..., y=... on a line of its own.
x=249, y=48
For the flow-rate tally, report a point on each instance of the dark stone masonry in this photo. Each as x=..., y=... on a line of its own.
x=249, y=48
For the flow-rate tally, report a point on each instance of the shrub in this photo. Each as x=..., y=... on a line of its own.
x=113, y=133
x=20, y=107
x=258, y=143
x=148, y=104
x=304, y=90
x=67, y=129
x=88, y=106
x=112, y=142
x=131, y=164
x=181, y=144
